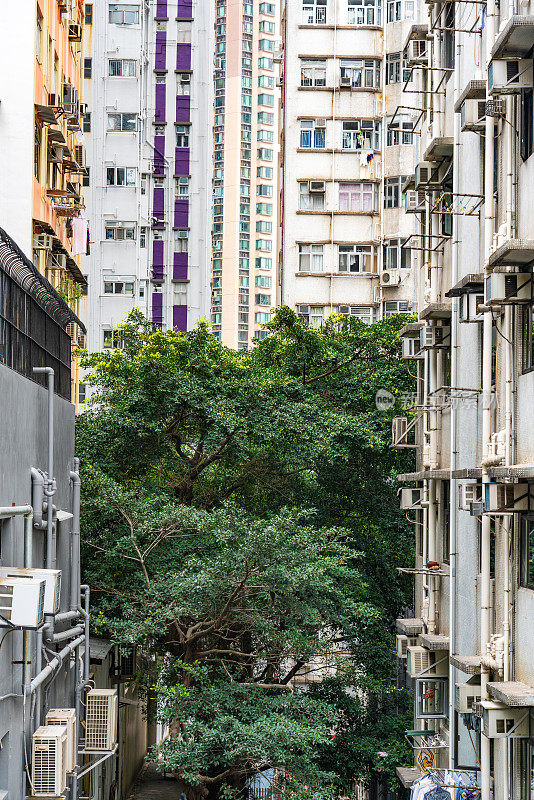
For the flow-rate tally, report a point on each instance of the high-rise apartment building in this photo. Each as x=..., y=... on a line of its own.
x=469, y=646
x=149, y=81
x=347, y=147
x=41, y=155
x=245, y=171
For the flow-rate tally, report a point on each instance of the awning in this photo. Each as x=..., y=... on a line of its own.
x=99, y=649
x=20, y=269
x=47, y=114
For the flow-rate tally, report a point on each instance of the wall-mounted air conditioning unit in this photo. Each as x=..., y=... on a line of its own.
x=43, y=241
x=49, y=755
x=399, y=431
x=416, y=52
x=507, y=498
x=469, y=493
x=410, y=498
x=431, y=663
x=22, y=602
x=504, y=288
x=54, y=100
x=75, y=32
x=101, y=713
x=509, y=77
x=468, y=310
x=320, y=122
x=57, y=260
x=411, y=348
x=414, y=201
x=79, y=155
x=472, y=114
x=435, y=336
x=317, y=186
x=426, y=175
x=56, y=154
x=390, y=277
x=51, y=577
x=65, y=717
x=466, y=694
x=501, y=722
x=403, y=643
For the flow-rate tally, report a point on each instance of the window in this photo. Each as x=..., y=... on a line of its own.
x=261, y=317
x=312, y=315
x=311, y=257
x=312, y=72
x=122, y=122
x=120, y=231
x=364, y=12
x=87, y=122
x=265, y=136
x=363, y=313
x=264, y=118
x=526, y=771
x=38, y=38
x=182, y=135
x=356, y=258
x=86, y=177
x=267, y=8
x=118, y=287
x=360, y=73
x=264, y=172
x=88, y=13
x=263, y=263
x=308, y=200
x=264, y=154
x=361, y=134
x=181, y=188
x=266, y=27
x=266, y=81
x=396, y=307
x=400, y=9
x=263, y=281
x=179, y=294
x=264, y=208
x=262, y=299
x=431, y=697
x=264, y=244
x=312, y=135
x=265, y=100
x=392, y=192
x=264, y=190
x=266, y=44
x=88, y=68
x=527, y=551
x=265, y=63
x=262, y=226
x=123, y=14
x=396, y=256
x=393, y=68
x=122, y=68
x=82, y=392
x=112, y=340
x=121, y=176
x=142, y=243
x=314, y=12
x=527, y=123
x=361, y=197
x=528, y=337
x=37, y=153
x=399, y=130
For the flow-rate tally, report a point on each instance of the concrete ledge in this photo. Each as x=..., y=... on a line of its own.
x=408, y=775
x=410, y=627
x=512, y=693
x=475, y=90
x=513, y=253
x=514, y=471
x=468, y=664
x=516, y=38
x=437, y=311
x=434, y=641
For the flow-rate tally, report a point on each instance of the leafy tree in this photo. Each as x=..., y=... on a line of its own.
x=242, y=506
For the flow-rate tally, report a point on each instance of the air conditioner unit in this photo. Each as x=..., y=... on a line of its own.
x=469, y=493
x=411, y=348
x=43, y=241
x=466, y=694
x=346, y=80
x=420, y=660
x=51, y=577
x=472, y=114
x=495, y=108
x=414, y=201
x=75, y=32
x=101, y=719
x=317, y=186
x=426, y=174
x=320, y=122
x=56, y=154
x=183, y=234
x=54, y=100
x=22, y=602
x=502, y=722
x=79, y=155
x=410, y=498
x=416, y=52
x=83, y=109
x=82, y=340
x=504, y=288
x=403, y=643
x=435, y=336
x=279, y=81
x=390, y=277
x=57, y=260
x=506, y=498
x=49, y=755
x=468, y=307
x=509, y=77
x=399, y=431
x=185, y=77
x=65, y=717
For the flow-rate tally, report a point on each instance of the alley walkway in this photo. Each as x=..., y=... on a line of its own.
x=153, y=786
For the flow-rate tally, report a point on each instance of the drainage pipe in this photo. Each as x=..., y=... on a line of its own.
x=37, y=498
x=56, y=662
x=74, y=476
x=50, y=490
x=70, y=632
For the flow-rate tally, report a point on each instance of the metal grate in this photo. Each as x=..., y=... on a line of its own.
x=97, y=722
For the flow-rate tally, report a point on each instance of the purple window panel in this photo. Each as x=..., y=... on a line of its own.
x=181, y=161
x=181, y=213
x=183, y=108
x=179, y=272
x=185, y=9
x=159, y=154
x=179, y=318
x=161, y=8
x=158, y=273
x=157, y=253
x=183, y=57
x=160, y=102
x=158, y=208
x=160, y=60
x=157, y=308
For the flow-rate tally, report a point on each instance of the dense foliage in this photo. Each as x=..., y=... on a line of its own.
x=240, y=523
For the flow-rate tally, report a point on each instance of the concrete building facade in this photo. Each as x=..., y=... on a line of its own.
x=469, y=646
x=149, y=87
x=344, y=236
x=245, y=174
